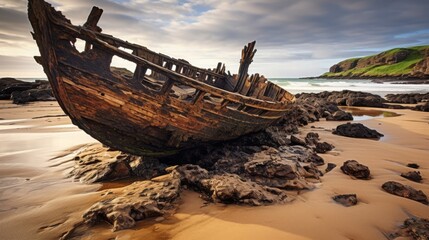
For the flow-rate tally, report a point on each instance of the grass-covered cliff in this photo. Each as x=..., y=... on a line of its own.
x=412, y=62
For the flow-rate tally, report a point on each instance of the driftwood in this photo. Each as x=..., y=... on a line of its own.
x=165, y=105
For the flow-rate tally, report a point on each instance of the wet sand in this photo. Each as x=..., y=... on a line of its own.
x=39, y=202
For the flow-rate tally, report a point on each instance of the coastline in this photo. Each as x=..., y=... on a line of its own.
x=50, y=203
x=379, y=79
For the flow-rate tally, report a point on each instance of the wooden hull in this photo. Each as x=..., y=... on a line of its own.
x=126, y=113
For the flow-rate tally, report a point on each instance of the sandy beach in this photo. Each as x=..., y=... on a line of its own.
x=38, y=201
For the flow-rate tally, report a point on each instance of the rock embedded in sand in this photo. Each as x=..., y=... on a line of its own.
x=95, y=163
x=413, y=176
x=22, y=92
x=340, y=116
x=401, y=190
x=140, y=200
x=355, y=169
x=312, y=138
x=274, y=171
x=294, y=140
x=346, y=199
x=230, y=188
x=356, y=130
x=422, y=107
x=330, y=167
x=323, y=147
x=415, y=227
x=413, y=165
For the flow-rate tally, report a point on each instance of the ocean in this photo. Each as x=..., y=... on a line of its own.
x=295, y=85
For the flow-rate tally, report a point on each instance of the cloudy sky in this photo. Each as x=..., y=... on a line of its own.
x=294, y=38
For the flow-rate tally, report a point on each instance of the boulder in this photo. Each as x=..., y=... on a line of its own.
x=280, y=173
x=124, y=206
x=230, y=188
x=413, y=176
x=407, y=98
x=422, y=107
x=323, y=147
x=294, y=140
x=340, y=116
x=22, y=92
x=356, y=130
x=346, y=199
x=355, y=169
x=96, y=163
x=312, y=138
x=401, y=190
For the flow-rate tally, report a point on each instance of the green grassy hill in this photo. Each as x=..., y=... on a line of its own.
x=398, y=62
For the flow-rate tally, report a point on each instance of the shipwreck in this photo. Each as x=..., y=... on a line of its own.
x=164, y=106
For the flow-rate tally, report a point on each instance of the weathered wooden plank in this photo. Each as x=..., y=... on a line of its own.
x=91, y=23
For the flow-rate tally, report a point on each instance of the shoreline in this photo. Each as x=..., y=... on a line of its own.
x=395, y=80
x=49, y=203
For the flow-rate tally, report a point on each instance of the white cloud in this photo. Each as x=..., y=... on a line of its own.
x=294, y=37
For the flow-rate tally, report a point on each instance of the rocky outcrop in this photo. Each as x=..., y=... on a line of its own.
x=343, y=98
x=415, y=227
x=96, y=163
x=421, y=69
x=340, y=116
x=230, y=188
x=407, y=97
x=22, y=92
x=423, y=107
x=122, y=207
x=355, y=169
x=401, y=190
x=356, y=130
x=346, y=200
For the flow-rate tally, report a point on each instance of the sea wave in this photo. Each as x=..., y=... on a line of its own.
x=320, y=85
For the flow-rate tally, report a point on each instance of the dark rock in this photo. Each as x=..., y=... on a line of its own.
x=413, y=165
x=300, y=154
x=356, y=130
x=340, y=116
x=23, y=92
x=192, y=175
x=95, y=163
x=312, y=138
x=368, y=101
x=417, y=228
x=273, y=170
x=297, y=141
x=422, y=107
x=401, y=190
x=407, y=97
x=413, y=176
x=344, y=98
x=227, y=187
x=355, y=169
x=230, y=188
x=323, y=147
x=140, y=200
x=32, y=95
x=346, y=199
x=330, y=167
